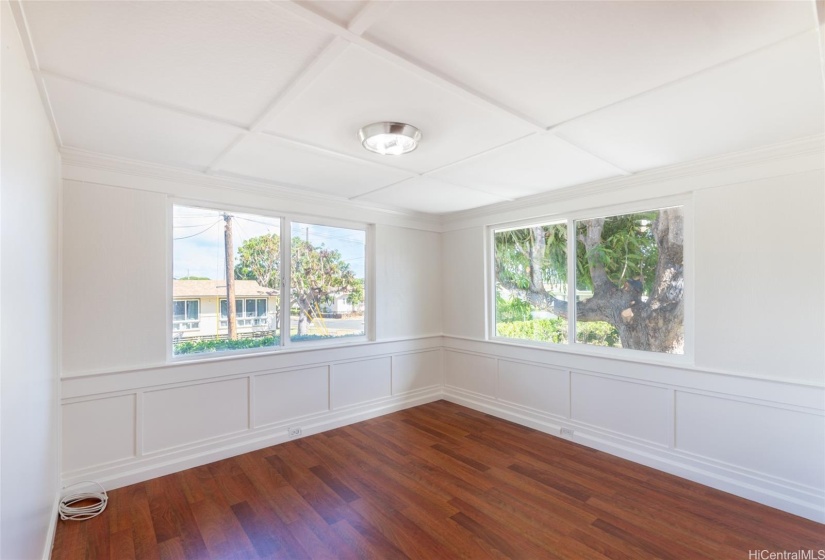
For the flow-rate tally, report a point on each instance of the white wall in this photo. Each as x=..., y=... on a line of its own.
x=29, y=302
x=408, y=280
x=747, y=415
x=129, y=415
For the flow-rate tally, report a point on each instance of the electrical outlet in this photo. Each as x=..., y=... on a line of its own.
x=293, y=432
x=567, y=432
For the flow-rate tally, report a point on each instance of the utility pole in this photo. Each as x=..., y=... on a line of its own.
x=230, y=278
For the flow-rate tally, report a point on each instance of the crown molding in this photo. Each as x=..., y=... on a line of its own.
x=768, y=155
x=73, y=157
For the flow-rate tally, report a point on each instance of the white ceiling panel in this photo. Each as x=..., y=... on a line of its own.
x=340, y=11
x=529, y=166
x=361, y=88
x=280, y=162
x=227, y=59
x=768, y=97
x=101, y=122
x=557, y=60
x=435, y=197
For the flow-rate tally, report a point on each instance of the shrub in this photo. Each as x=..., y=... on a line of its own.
x=204, y=346
x=596, y=333
x=543, y=330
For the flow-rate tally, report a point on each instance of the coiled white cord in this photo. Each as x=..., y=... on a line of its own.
x=68, y=510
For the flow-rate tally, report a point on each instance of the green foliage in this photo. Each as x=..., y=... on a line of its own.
x=260, y=260
x=515, y=247
x=598, y=333
x=206, y=346
x=628, y=251
x=356, y=296
x=595, y=333
x=203, y=346
x=543, y=330
x=511, y=310
x=318, y=273
x=194, y=278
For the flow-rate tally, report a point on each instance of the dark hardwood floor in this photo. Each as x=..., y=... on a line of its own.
x=437, y=481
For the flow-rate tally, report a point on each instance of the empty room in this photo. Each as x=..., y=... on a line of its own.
x=412, y=279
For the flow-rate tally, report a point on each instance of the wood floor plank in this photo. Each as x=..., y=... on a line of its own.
x=438, y=481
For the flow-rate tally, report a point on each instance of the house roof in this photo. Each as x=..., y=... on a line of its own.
x=213, y=288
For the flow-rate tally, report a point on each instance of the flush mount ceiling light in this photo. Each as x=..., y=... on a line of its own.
x=389, y=138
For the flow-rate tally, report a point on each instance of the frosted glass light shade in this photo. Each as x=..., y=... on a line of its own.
x=389, y=138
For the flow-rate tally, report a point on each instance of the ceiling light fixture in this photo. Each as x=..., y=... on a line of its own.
x=389, y=138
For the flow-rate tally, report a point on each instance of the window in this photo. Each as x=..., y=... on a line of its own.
x=186, y=315
x=249, y=312
x=325, y=276
x=623, y=273
x=327, y=289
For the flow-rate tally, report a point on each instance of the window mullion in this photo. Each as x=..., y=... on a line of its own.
x=286, y=271
x=571, y=282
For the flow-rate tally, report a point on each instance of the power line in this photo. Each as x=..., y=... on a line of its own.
x=200, y=232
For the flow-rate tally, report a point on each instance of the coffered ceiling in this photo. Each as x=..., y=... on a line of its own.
x=513, y=98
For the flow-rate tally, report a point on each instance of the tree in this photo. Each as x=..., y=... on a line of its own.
x=318, y=274
x=632, y=263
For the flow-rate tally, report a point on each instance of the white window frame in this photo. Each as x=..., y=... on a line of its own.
x=223, y=323
x=186, y=302
x=286, y=220
x=573, y=347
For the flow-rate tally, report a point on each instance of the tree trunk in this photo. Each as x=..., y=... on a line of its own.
x=654, y=323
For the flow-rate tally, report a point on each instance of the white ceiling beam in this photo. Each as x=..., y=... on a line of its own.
x=292, y=142
x=23, y=28
x=308, y=75
x=369, y=15
x=408, y=64
x=372, y=12
x=142, y=99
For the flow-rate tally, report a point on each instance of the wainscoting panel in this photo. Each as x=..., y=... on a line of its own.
x=290, y=394
x=753, y=436
x=193, y=413
x=129, y=426
x=417, y=370
x=362, y=381
x=470, y=372
x=108, y=428
x=631, y=409
x=759, y=439
x=540, y=388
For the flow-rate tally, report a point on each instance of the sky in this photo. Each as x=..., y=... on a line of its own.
x=198, y=240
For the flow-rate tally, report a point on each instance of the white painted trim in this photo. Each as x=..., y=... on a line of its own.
x=52, y=529
x=750, y=485
x=784, y=159
x=123, y=473
x=89, y=167
x=25, y=37
x=472, y=345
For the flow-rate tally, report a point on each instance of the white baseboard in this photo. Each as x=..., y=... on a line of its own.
x=749, y=485
x=166, y=462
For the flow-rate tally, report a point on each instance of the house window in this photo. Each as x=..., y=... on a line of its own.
x=249, y=312
x=185, y=315
x=325, y=281
x=614, y=281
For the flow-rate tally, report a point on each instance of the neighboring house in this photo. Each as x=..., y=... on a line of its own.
x=340, y=305
x=199, y=308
